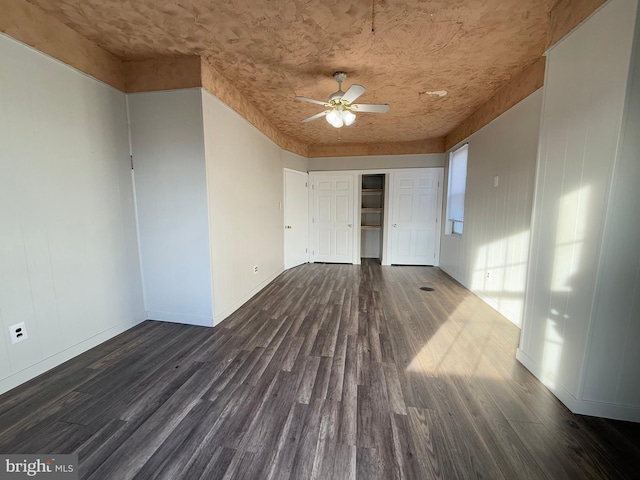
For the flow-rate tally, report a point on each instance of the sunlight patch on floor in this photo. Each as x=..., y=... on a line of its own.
x=457, y=347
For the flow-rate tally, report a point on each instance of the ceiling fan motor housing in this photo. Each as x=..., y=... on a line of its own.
x=338, y=77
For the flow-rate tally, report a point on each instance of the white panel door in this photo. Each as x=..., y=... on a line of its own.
x=414, y=217
x=333, y=198
x=296, y=218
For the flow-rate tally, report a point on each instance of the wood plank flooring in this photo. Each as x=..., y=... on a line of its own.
x=331, y=372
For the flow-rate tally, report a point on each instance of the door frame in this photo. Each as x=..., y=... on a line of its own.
x=388, y=234
x=284, y=211
x=388, y=198
x=385, y=205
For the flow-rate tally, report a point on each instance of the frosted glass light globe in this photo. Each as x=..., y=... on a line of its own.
x=335, y=119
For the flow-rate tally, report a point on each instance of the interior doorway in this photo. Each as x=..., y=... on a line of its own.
x=296, y=218
x=372, y=199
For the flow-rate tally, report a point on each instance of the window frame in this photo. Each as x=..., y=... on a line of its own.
x=455, y=226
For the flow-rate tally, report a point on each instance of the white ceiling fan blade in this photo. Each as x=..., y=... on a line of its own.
x=311, y=100
x=354, y=92
x=371, y=107
x=317, y=115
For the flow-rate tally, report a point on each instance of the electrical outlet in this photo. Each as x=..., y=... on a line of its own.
x=18, y=332
x=255, y=269
x=488, y=274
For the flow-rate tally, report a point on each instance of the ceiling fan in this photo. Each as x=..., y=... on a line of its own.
x=341, y=110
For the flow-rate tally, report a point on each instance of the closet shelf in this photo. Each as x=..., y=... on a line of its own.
x=371, y=217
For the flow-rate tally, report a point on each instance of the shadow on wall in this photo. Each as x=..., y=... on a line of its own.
x=567, y=273
x=500, y=273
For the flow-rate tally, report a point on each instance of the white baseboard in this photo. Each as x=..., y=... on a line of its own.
x=608, y=410
x=200, y=321
x=220, y=316
x=498, y=307
x=558, y=390
x=29, y=373
x=581, y=406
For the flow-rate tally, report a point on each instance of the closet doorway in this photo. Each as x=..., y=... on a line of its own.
x=372, y=199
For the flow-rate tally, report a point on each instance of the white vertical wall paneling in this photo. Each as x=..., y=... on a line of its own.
x=171, y=196
x=584, y=104
x=68, y=252
x=244, y=177
x=497, y=219
x=613, y=362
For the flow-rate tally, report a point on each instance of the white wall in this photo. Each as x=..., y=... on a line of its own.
x=293, y=161
x=209, y=198
x=377, y=162
x=68, y=252
x=497, y=219
x=579, y=263
x=171, y=196
x=245, y=182
x=613, y=363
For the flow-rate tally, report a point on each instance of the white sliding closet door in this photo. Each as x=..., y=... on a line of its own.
x=415, y=213
x=333, y=218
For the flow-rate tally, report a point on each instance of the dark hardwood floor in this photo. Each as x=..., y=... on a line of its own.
x=331, y=372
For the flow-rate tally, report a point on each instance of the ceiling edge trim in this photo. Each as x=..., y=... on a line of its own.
x=567, y=15
x=31, y=25
x=216, y=84
x=164, y=73
x=430, y=145
x=506, y=97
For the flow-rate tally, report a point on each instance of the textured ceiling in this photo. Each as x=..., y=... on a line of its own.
x=272, y=51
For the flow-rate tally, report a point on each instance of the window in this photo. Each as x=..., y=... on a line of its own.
x=455, y=192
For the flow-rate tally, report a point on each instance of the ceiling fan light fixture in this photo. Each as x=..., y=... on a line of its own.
x=340, y=107
x=348, y=117
x=339, y=118
x=334, y=117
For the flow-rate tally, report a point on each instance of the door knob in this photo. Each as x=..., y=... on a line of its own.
x=395, y=225
x=349, y=225
x=288, y=227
